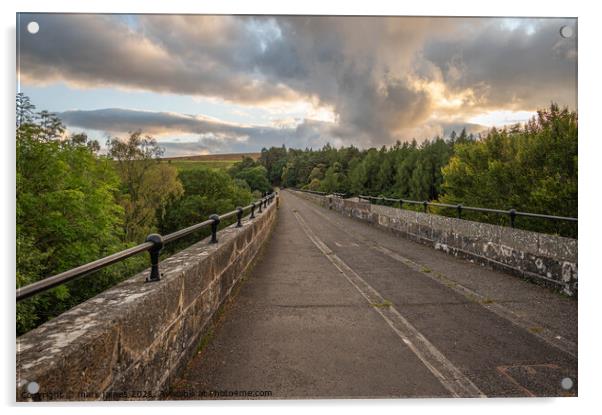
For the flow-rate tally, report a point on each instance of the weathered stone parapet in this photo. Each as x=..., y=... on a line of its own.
x=131, y=340
x=547, y=259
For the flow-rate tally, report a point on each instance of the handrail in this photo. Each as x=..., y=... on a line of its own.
x=316, y=192
x=153, y=244
x=512, y=213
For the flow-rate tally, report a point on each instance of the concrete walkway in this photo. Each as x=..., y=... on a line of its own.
x=336, y=308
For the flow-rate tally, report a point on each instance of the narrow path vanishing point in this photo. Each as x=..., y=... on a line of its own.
x=336, y=308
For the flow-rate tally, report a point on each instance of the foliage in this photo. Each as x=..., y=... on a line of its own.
x=206, y=191
x=274, y=160
x=532, y=168
x=66, y=211
x=253, y=173
x=75, y=206
x=146, y=184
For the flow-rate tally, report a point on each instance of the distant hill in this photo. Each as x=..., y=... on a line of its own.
x=215, y=161
x=232, y=157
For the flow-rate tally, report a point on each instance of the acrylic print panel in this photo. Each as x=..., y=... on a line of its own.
x=274, y=207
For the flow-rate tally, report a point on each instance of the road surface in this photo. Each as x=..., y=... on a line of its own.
x=337, y=308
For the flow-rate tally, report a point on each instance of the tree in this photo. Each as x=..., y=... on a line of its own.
x=334, y=179
x=274, y=160
x=66, y=215
x=25, y=110
x=206, y=191
x=51, y=126
x=317, y=173
x=246, y=163
x=533, y=169
x=147, y=184
x=256, y=177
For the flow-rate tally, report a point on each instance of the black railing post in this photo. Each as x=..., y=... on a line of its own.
x=154, y=252
x=512, y=213
x=239, y=211
x=400, y=204
x=459, y=208
x=214, y=226
x=425, y=204
x=252, y=211
x=260, y=206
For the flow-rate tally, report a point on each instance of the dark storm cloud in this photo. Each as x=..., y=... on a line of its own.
x=356, y=65
x=377, y=73
x=101, y=50
x=213, y=136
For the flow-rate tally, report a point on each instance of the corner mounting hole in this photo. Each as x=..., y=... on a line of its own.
x=566, y=32
x=567, y=383
x=33, y=387
x=33, y=27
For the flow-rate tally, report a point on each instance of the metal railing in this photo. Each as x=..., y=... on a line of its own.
x=512, y=213
x=315, y=192
x=153, y=244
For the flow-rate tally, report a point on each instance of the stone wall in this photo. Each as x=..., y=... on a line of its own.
x=131, y=340
x=547, y=259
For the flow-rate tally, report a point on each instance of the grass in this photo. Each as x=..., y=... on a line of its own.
x=216, y=161
x=182, y=165
x=384, y=304
x=205, y=340
x=233, y=157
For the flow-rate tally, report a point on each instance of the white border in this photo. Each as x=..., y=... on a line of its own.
x=590, y=152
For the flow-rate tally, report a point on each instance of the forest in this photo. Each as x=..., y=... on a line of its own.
x=76, y=203
x=530, y=168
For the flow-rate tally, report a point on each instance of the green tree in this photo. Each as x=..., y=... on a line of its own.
x=256, y=177
x=334, y=180
x=246, y=163
x=66, y=215
x=147, y=184
x=274, y=160
x=206, y=191
x=531, y=168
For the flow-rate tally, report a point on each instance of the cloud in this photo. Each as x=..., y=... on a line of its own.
x=103, y=50
x=385, y=78
x=520, y=69
x=212, y=136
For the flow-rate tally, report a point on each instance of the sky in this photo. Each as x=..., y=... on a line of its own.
x=228, y=84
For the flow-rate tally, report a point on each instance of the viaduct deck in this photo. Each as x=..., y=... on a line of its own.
x=336, y=308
